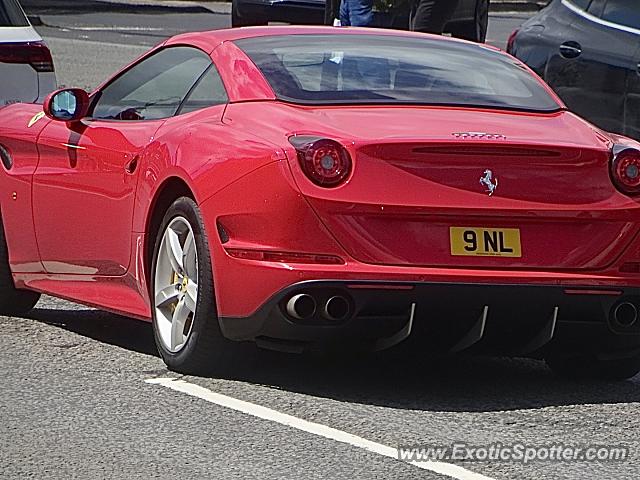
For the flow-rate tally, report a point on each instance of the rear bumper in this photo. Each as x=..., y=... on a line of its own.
x=512, y=320
x=522, y=304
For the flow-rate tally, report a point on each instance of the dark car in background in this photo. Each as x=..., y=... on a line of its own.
x=589, y=52
x=469, y=21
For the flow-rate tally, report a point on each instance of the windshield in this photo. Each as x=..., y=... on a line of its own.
x=383, y=69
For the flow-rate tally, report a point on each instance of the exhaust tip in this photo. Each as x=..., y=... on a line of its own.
x=301, y=306
x=625, y=314
x=336, y=309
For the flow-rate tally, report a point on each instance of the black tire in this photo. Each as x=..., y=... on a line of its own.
x=238, y=21
x=13, y=302
x=476, y=29
x=583, y=367
x=205, y=350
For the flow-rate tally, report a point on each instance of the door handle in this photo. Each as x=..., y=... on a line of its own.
x=570, y=49
x=132, y=164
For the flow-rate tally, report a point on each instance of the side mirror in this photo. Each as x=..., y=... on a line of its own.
x=67, y=105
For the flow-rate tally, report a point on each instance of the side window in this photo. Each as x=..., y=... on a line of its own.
x=209, y=91
x=595, y=7
x=583, y=4
x=622, y=12
x=154, y=88
x=11, y=15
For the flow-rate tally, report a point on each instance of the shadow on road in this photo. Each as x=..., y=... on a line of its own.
x=104, y=327
x=396, y=379
x=417, y=382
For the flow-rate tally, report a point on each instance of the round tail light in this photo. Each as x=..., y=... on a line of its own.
x=325, y=162
x=625, y=171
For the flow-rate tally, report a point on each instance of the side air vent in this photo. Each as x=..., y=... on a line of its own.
x=6, y=159
x=224, y=236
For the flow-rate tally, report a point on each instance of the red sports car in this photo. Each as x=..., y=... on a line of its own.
x=306, y=187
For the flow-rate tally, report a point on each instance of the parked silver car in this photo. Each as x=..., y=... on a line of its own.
x=26, y=68
x=588, y=51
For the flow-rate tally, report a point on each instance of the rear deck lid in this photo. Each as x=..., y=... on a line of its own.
x=529, y=191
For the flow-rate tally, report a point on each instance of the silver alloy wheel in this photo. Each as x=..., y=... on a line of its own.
x=176, y=284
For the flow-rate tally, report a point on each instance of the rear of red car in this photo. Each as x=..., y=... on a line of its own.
x=511, y=199
x=458, y=203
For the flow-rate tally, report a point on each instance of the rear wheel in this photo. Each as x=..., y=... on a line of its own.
x=12, y=300
x=185, y=321
x=591, y=367
x=476, y=29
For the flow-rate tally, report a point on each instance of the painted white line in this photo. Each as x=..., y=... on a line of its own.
x=443, y=468
x=74, y=41
x=112, y=29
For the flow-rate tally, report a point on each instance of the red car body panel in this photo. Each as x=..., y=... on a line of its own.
x=413, y=180
x=85, y=195
x=243, y=81
x=85, y=177
x=252, y=225
x=16, y=207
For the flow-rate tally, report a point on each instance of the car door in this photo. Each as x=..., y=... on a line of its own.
x=85, y=184
x=594, y=61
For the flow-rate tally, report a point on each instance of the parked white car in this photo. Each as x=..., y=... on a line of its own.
x=26, y=68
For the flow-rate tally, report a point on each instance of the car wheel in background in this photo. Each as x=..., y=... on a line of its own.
x=476, y=29
x=12, y=300
x=238, y=21
x=185, y=321
x=591, y=367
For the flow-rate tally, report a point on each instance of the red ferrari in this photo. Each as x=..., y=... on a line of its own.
x=307, y=187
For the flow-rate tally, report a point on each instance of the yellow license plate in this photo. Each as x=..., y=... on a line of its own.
x=485, y=242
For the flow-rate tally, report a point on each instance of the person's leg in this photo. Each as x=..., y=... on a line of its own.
x=431, y=16
x=361, y=13
x=344, y=13
x=331, y=11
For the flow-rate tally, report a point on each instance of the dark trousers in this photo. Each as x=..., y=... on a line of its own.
x=356, y=13
x=430, y=16
x=331, y=11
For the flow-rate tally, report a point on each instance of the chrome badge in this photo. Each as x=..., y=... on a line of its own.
x=489, y=182
x=38, y=116
x=479, y=135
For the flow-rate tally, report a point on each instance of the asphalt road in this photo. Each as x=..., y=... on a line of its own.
x=76, y=402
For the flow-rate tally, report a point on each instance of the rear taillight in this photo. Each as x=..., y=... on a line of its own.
x=511, y=41
x=35, y=54
x=326, y=162
x=625, y=171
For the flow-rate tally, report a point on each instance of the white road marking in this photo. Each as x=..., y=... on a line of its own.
x=54, y=40
x=443, y=468
x=112, y=29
